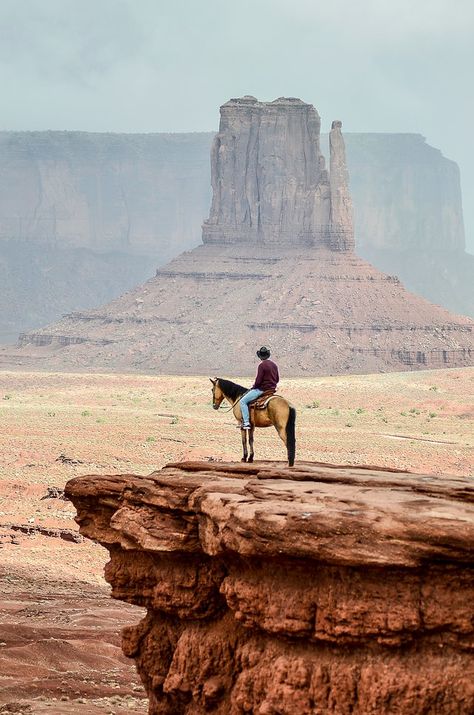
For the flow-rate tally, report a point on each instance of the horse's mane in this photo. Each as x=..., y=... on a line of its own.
x=231, y=389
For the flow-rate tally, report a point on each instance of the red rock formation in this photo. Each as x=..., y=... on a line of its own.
x=321, y=311
x=342, y=228
x=277, y=267
x=104, y=210
x=269, y=181
x=314, y=590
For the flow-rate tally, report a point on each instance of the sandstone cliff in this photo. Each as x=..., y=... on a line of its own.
x=277, y=267
x=321, y=311
x=408, y=216
x=341, y=222
x=269, y=180
x=312, y=590
x=110, y=208
x=85, y=217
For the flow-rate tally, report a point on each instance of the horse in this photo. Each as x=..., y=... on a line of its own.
x=278, y=412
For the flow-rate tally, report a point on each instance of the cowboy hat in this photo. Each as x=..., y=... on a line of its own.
x=263, y=353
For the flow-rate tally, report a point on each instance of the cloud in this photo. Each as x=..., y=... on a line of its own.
x=167, y=65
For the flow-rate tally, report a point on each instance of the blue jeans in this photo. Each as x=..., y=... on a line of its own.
x=244, y=402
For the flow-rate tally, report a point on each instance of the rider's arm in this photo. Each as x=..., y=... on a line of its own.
x=258, y=379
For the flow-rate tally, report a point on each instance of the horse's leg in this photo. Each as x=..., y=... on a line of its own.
x=279, y=421
x=250, y=459
x=281, y=429
x=243, y=432
x=285, y=427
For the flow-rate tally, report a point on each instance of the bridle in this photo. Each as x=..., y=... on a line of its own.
x=225, y=398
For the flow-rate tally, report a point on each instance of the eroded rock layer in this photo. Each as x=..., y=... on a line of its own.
x=321, y=311
x=314, y=590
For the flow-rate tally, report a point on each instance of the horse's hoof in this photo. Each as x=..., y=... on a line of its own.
x=243, y=459
x=250, y=459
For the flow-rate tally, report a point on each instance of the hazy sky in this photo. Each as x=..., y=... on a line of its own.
x=167, y=65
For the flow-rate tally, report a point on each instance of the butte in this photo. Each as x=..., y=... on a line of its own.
x=277, y=266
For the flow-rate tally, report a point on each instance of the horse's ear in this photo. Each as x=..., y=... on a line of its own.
x=213, y=380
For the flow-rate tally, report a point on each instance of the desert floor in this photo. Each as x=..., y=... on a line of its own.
x=59, y=631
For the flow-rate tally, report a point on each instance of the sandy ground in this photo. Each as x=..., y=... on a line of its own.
x=59, y=631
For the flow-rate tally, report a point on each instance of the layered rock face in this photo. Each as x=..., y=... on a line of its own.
x=321, y=311
x=312, y=590
x=269, y=180
x=104, y=210
x=276, y=268
x=85, y=217
x=341, y=226
x=408, y=216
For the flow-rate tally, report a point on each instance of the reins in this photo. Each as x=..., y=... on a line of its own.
x=237, y=400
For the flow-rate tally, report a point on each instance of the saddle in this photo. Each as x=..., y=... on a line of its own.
x=261, y=402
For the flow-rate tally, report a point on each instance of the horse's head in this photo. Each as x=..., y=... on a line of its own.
x=217, y=394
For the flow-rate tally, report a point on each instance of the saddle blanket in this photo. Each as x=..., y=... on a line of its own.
x=261, y=402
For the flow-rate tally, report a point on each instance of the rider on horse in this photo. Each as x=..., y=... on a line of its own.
x=266, y=381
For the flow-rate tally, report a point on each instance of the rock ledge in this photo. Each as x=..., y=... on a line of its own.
x=318, y=589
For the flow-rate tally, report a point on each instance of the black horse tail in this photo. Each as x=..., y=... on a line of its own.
x=290, y=437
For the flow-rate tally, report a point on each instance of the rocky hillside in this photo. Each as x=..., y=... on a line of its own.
x=323, y=312
x=106, y=209
x=318, y=589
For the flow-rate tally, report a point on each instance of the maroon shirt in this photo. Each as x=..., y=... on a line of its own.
x=267, y=376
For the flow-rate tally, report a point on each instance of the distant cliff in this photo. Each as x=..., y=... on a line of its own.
x=104, y=210
x=85, y=217
x=408, y=216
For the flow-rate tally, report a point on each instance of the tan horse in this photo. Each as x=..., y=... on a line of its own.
x=278, y=413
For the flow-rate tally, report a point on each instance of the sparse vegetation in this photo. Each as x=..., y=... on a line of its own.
x=312, y=405
x=434, y=388
x=360, y=410
x=85, y=413
x=432, y=414
x=174, y=420
x=150, y=439
x=7, y=397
